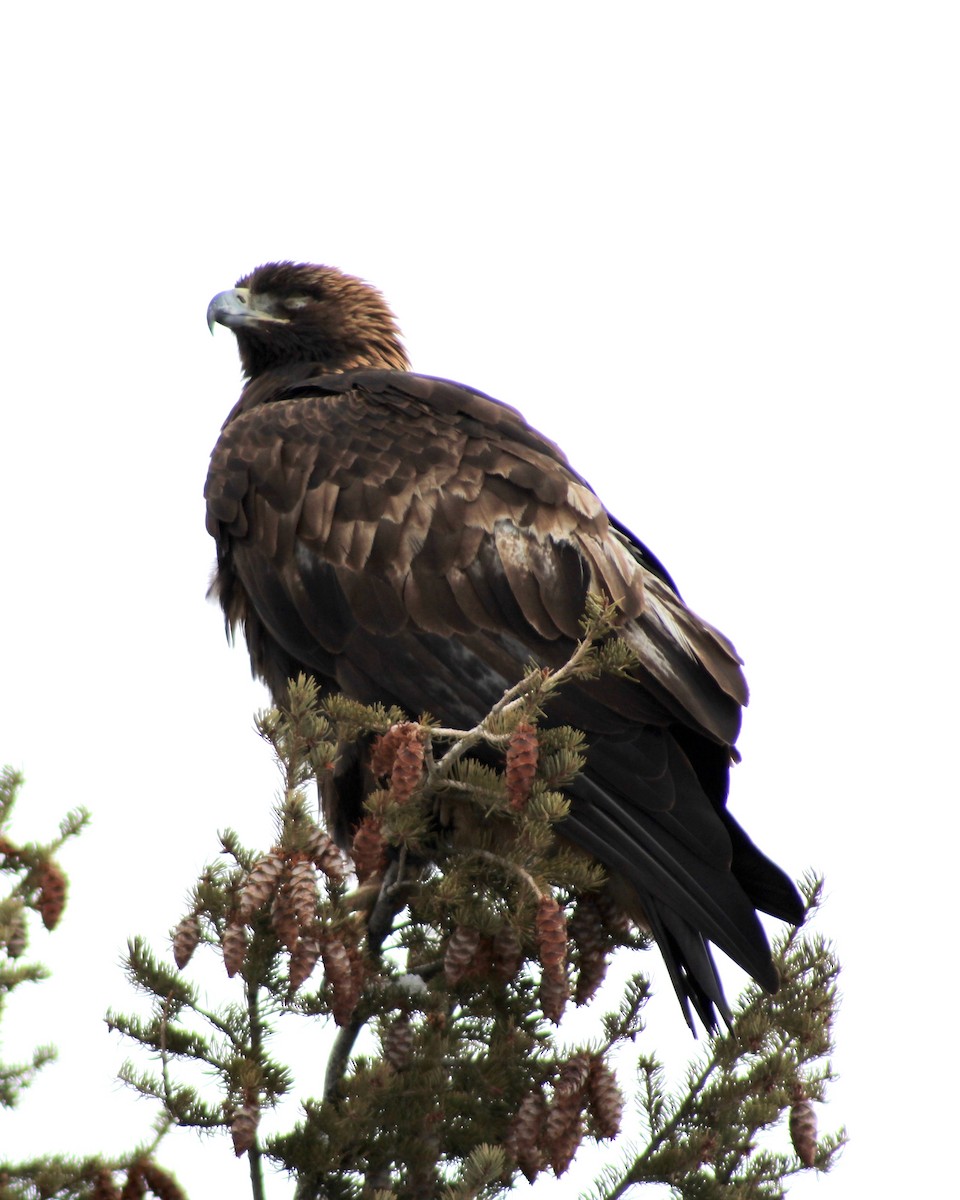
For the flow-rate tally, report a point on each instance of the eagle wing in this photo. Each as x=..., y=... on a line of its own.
x=409, y=540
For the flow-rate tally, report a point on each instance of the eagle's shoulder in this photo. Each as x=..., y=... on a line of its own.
x=296, y=431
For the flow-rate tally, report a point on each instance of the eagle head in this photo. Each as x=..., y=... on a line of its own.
x=286, y=313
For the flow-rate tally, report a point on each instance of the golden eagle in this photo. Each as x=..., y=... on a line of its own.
x=410, y=540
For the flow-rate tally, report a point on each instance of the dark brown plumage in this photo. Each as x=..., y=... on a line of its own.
x=410, y=540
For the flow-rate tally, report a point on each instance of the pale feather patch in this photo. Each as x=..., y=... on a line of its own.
x=523, y=565
x=665, y=615
x=317, y=512
x=615, y=573
x=583, y=501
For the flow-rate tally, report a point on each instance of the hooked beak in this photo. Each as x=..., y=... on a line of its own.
x=237, y=308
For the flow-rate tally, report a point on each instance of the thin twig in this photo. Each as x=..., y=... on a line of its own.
x=391, y=899
x=510, y=868
x=254, y=1155
x=542, y=681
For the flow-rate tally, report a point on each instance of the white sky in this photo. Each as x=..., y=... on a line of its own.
x=711, y=249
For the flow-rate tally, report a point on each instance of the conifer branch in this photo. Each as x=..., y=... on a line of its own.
x=39, y=884
x=470, y=1084
x=528, y=694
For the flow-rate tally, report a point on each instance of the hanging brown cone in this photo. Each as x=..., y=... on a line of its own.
x=564, y=1146
x=17, y=934
x=243, y=1127
x=103, y=1186
x=135, y=1186
x=573, y=1078
x=507, y=953
x=234, y=947
x=326, y=855
x=614, y=918
x=163, y=1186
x=586, y=926
x=7, y=848
x=369, y=850
x=398, y=1042
x=53, y=892
x=523, y=751
x=482, y=964
x=261, y=883
x=407, y=769
x=803, y=1132
x=302, y=886
x=551, y=934
x=186, y=938
x=590, y=941
x=342, y=976
x=460, y=952
x=303, y=959
x=564, y=1126
x=604, y=1099
x=283, y=917
x=383, y=752
x=553, y=995
x=563, y=1131
x=590, y=976
x=525, y=1134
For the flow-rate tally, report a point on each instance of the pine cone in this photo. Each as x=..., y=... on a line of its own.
x=103, y=1186
x=564, y=1127
x=383, y=751
x=615, y=920
x=604, y=1099
x=523, y=752
x=460, y=953
x=302, y=888
x=552, y=936
x=563, y=1132
x=369, y=849
x=525, y=1134
x=163, y=1186
x=574, y=1075
x=591, y=975
x=243, y=1127
x=303, y=959
x=590, y=940
x=554, y=993
x=551, y=929
x=565, y=1144
x=234, y=947
x=53, y=892
x=261, y=884
x=283, y=917
x=507, y=953
x=186, y=938
x=482, y=964
x=326, y=855
x=135, y=1187
x=407, y=765
x=343, y=976
x=803, y=1132
x=17, y=934
x=398, y=1043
